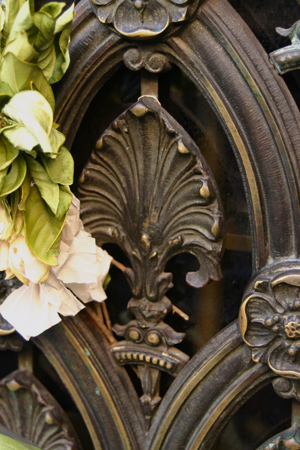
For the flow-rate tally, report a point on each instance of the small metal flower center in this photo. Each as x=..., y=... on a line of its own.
x=292, y=330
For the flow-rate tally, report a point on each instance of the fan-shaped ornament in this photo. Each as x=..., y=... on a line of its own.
x=148, y=189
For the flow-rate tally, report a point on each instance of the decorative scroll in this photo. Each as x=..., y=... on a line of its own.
x=142, y=19
x=288, y=58
x=137, y=58
x=287, y=388
x=270, y=321
x=29, y=410
x=148, y=189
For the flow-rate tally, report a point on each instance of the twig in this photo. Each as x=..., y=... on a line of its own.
x=119, y=265
x=98, y=309
x=179, y=312
x=101, y=325
x=106, y=315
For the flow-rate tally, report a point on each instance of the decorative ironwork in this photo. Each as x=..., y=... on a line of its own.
x=287, y=440
x=287, y=388
x=288, y=58
x=270, y=321
x=148, y=189
x=142, y=19
x=137, y=58
x=29, y=410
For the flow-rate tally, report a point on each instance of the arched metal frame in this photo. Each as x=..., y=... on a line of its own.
x=226, y=63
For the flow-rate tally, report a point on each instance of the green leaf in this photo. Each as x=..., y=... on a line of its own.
x=45, y=21
x=64, y=19
x=63, y=29
x=65, y=200
x=12, y=8
x=21, y=48
x=31, y=111
x=106, y=281
x=20, y=75
x=57, y=139
x=5, y=94
x=48, y=190
x=25, y=189
x=7, y=153
x=14, y=200
x=46, y=25
x=47, y=60
x=8, y=443
x=20, y=137
x=60, y=169
x=15, y=177
x=21, y=22
x=3, y=174
x=42, y=228
x=53, y=9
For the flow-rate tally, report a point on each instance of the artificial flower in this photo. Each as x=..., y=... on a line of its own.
x=35, y=308
x=82, y=268
x=79, y=254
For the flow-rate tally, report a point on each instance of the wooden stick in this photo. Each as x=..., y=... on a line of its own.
x=98, y=309
x=106, y=315
x=179, y=312
x=101, y=325
x=119, y=265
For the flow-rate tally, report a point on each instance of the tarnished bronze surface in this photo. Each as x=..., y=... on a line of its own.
x=147, y=188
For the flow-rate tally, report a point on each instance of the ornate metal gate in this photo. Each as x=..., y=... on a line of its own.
x=172, y=109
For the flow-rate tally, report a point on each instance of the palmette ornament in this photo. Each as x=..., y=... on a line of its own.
x=82, y=268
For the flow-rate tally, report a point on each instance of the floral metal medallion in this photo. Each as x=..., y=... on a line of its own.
x=143, y=18
x=270, y=321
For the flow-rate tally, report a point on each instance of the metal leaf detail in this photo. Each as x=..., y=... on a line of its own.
x=148, y=189
x=29, y=410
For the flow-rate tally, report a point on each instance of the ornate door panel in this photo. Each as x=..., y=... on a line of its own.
x=187, y=159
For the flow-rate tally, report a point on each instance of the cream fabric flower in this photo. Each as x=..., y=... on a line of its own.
x=33, y=309
x=82, y=268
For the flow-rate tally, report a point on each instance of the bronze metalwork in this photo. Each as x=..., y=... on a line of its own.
x=262, y=125
x=287, y=58
x=287, y=440
x=270, y=317
x=29, y=410
x=142, y=19
x=137, y=58
x=148, y=189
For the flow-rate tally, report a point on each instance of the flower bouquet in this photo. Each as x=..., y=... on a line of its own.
x=42, y=239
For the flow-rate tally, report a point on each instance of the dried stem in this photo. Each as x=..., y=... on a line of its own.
x=106, y=315
x=119, y=265
x=179, y=312
x=99, y=321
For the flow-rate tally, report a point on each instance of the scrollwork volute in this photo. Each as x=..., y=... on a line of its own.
x=143, y=19
x=270, y=319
